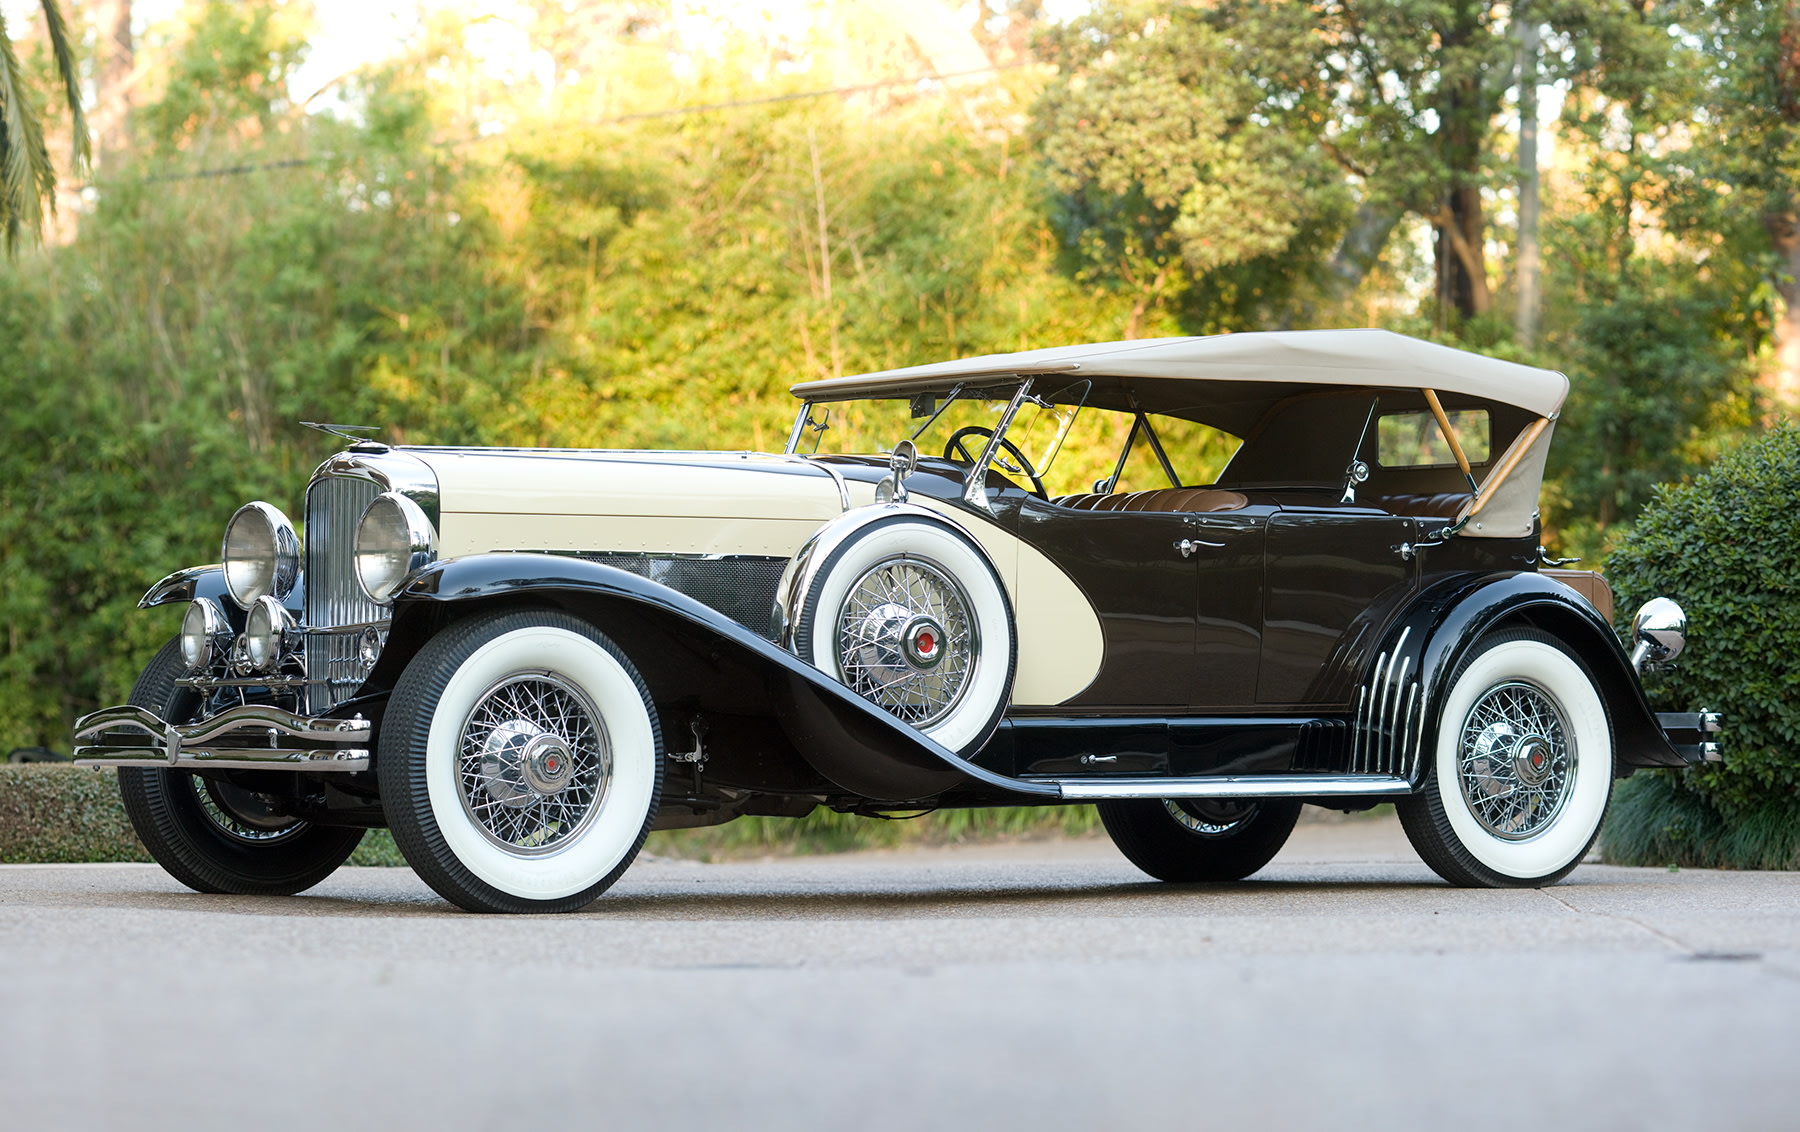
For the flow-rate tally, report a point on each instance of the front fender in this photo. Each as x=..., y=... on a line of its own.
x=699, y=653
x=1448, y=617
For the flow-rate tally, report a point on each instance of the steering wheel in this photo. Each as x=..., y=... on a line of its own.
x=955, y=445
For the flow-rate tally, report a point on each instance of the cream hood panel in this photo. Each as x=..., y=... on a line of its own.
x=688, y=485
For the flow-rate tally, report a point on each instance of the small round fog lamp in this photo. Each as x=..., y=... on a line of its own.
x=202, y=627
x=266, y=632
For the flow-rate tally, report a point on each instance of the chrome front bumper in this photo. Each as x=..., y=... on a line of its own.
x=249, y=737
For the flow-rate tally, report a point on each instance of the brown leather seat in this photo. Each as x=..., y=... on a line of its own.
x=1443, y=505
x=1189, y=499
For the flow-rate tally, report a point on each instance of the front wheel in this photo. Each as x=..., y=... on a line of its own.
x=209, y=834
x=1522, y=768
x=1200, y=839
x=520, y=763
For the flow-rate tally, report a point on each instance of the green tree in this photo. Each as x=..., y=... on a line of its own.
x=27, y=176
x=1183, y=178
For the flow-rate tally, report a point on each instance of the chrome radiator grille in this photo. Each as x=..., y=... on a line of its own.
x=334, y=505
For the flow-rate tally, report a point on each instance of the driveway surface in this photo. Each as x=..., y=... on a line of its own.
x=1025, y=986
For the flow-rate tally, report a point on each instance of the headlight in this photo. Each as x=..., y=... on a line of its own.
x=266, y=630
x=261, y=554
x=393, y=540
x=201, y=630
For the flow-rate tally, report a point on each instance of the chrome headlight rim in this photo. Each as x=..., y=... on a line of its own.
x=268, y=629
x=394, y=540
x=253, y=571
x=203, y=629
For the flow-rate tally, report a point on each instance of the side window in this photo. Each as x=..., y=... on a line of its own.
x=1091, y=452
x=1414, y=440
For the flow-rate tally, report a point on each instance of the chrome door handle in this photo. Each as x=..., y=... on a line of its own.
x=1187, y=546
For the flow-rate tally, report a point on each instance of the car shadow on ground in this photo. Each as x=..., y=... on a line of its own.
x=662, y=899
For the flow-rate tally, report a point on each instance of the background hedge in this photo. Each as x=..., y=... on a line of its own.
x=1727, y=547
x=52, y=814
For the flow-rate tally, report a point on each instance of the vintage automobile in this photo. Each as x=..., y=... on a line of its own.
x=1296, y=567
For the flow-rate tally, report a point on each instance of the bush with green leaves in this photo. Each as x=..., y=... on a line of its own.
x=1727, y=547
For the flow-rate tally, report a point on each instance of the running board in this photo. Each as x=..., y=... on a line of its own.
x=1235, y=786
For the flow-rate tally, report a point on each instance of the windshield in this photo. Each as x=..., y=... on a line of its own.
x=1073, y=448
x=955, y=425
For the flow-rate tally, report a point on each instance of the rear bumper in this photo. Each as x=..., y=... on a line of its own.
x=249, y=737
x=1693, y=734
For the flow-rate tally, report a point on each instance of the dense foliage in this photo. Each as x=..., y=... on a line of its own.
x=1729, y=545
x=457, y=257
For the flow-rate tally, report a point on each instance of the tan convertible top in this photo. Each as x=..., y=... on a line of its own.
x=1283, y=357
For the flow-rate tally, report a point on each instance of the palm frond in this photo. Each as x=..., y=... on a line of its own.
x=63, y=51
x=26, y=176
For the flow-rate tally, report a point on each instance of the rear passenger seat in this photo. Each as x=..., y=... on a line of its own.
x=1192, y=499
x=1443, y=505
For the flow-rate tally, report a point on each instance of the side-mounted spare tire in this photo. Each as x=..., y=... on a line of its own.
x=909, y=612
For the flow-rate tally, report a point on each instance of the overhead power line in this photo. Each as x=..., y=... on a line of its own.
x=644, y=116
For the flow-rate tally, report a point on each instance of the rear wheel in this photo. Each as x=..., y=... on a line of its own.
x=1199, y=839
x=209, y=834
x=520, y=763
x=1521, y=771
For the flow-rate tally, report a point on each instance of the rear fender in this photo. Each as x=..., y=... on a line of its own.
x=1449, y=617
x=697, y=660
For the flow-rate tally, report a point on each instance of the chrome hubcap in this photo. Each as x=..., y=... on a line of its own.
x=906, y=640
x=1516, y=760
x=534, y=763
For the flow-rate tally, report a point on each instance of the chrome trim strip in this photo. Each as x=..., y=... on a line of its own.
x=837, y=477
x=1238, y=786
x=1377, y=707
x=1409, y=758
x=1360, y=726
x=348, y=760
x=1396, y=738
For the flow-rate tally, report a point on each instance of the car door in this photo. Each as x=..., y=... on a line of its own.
x=1330, y=573
x=1178, y=596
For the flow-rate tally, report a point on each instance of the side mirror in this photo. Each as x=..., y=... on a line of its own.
x=903, y=462
x=1660, y=633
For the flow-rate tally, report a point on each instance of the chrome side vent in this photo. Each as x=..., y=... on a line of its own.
x=334, y=600
x=1320, y=745
x=1389, y=716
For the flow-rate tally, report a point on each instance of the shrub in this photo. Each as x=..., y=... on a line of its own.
x=1727, y=547
x=53, y=814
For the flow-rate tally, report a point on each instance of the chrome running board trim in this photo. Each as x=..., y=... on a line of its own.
x=1237, y=786
x=181, y=744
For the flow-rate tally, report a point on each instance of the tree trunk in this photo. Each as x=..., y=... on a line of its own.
x=1782, y=385
x=1462, y=229
x=1525, y=317
x=114, y=76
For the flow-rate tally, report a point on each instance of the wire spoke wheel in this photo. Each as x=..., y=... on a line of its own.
x=1516, y=760
x=906, y=640
x=1519, y=775
x=533, y=764
x=240, y=814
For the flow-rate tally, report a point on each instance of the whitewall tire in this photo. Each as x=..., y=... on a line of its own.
x=911, y=615
x=1521, y=769
x=520, y=763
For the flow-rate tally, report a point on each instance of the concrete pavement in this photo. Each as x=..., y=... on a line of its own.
x=1038, y=986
